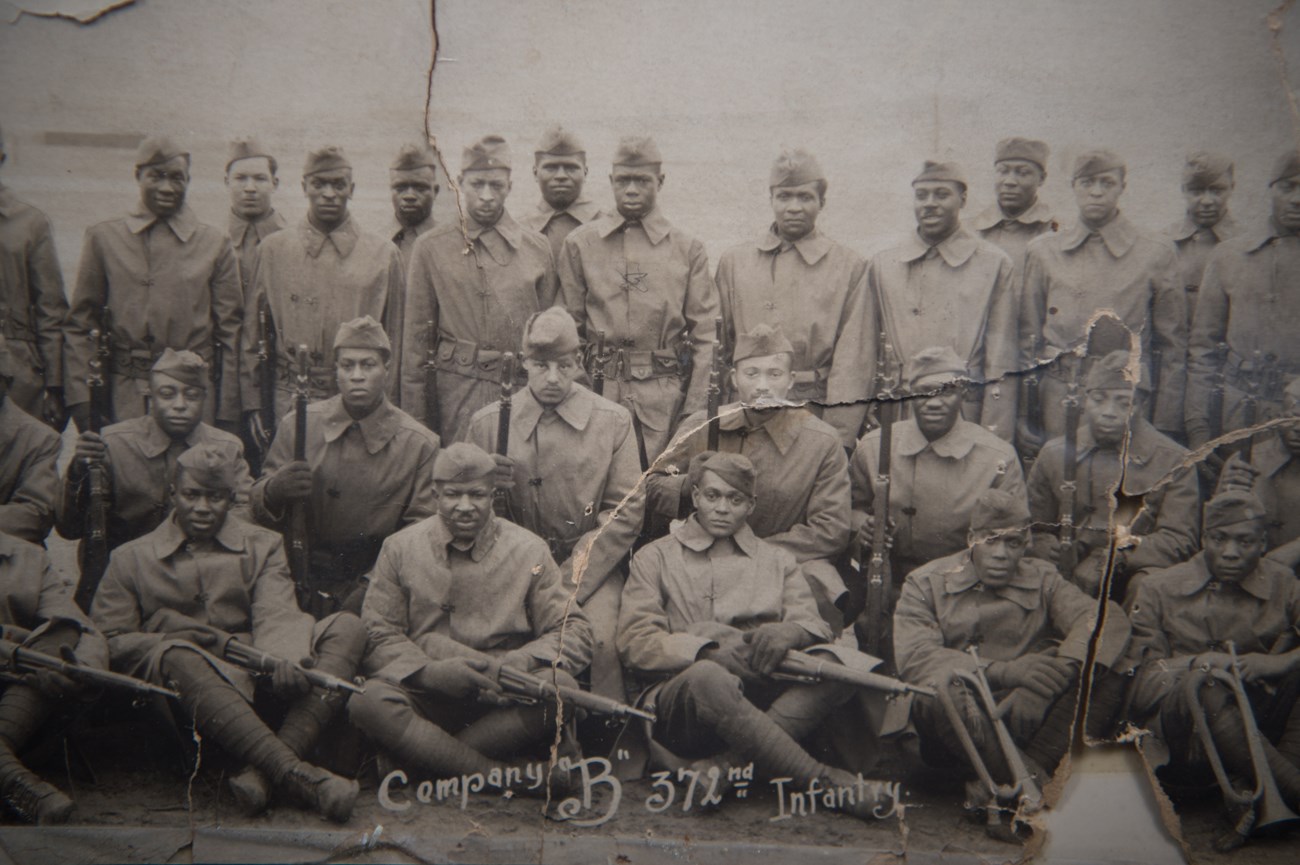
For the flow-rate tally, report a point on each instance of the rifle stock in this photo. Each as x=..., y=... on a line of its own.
x=874, y=624
x=714, y=393
x=1068, y=558
x=804, y=667
x=25, y=660
x=94, y=549
x=257, y=661
x=598, y=361
x=432, y=417
x=501, y=498
x=527, y=688
x=266, y=371
x=1254, y=376
x=299, y=551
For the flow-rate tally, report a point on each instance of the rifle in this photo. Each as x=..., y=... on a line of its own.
x=1254, y=375
x=874, y=623
x=501, y=498
x=299, y=556
x=812, y=669
x=715, y=387
x=94, y=549
x=432, y=419
x=218, y=356
x=244, y=655
x=1069, y=556
x=1214, y=407
x=598, y=361
x=19, y=659
x=526, y=688
x=266, y=366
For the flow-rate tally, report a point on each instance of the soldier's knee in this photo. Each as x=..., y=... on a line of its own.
x=562, y=679
x=344, y=634
x=185, y=665
x=374, y=706
x=709, y=684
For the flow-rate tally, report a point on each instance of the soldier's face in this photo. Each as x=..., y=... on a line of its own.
x=1286, y=203
x=362, y=375
x=937, y=413
x=162, y=186
x=635, y=189
x=413, y=195
x=1107, y=412
x=721, y=508
x=250, y=183
x=1016, y=185
x=996, y=559
x=464, y=507
x=560, y=178
x=1207, y=203
x=551, y=380
x=327, y=194
x=485, y=193
x=200, y=510
x=763, y=380
x=937, y=205
x=1098, y=195
x=796, y=208
x=175, y=406
x=1232, y=552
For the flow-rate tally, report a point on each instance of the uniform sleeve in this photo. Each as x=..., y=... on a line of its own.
x=1174, y=538
x=725, y=280
x=619, y=522
x=391, y=654
x=666, y=486
x=1204, y=359
x=394, y=313
x=826, y=532
x=117, y=614
x=420, y=326
x=645, y=642
x=55, y=603
x=1073, y=614
x=798, y=606
x=1044, y=507
x=701, y=309
x=1169, y=338
x=227, y=322
x=279, y=626
x=919, y=649
x=548, y=284
x=279, y=455
x=422, y=503
x=29, y=513
x=862, y=481
x=573, y=282
x=1033, y=306
x=562, y=629
x=89, y=298
x=45, y=280
x=853, y=361
x=1158, y=670
x=1002, y=356
x=250, y=365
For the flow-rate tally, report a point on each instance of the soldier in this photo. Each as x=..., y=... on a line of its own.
x=159, y=628
x=646, y=284
x=32, y=307
x=29, y=478
x=251, y=180
x=802, y=500
x=1187, y=623
x=560, y=166
x=1103, y=262
x=1118, y=451
x=35, y=598
x=1248, y=304
x=1018, y=216
x=323, y=273
x=1032, y=631
x=155, y=279
x=1207, y=186
x=815, y=288
x=413, y=178
x=708, y=613
x=452, y=601
x=472, y=305
x=940, y=465
x=944, y=286
x=366, y=474
x=571, y=465
x=141, y=453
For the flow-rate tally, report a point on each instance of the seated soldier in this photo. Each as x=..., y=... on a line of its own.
x=1188, y=622
x=1031, y=629
x=1114, y=438
x=366, y=474
x=802, y=482
x=453, y=600
x=35, y=600
x=710, y=611
x=172, y=600
x=29, y=481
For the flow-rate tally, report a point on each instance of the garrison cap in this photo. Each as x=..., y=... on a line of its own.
x=1092, y=162
x=413, y=157
x=949, y=171
x=1287, y=166
x=157, y=149
x=490, y=151
x=762, y=341
x=246, y=148
x=999, y=511
x=735, y=469
x=1111, y=372
x=637, y=150
x=1206, y=167
x=328, y=158
x=362, y=332
x=7, y=367
x=1029, y=149
x=937, y=360
x=795, y=168
x=550, y=334
x=185, y=366
x=558, y=141
x=208, y=466
x=1232, y=507
x=463, y=462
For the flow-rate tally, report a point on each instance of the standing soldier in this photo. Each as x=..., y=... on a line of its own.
x=413, y=178
x=570, y=466
x=472, y=287
x=366, y=472
x=814, y=288
x=646, y=285
x=29, y=478
x=1018, y=215
x=323, y=273
x=560, y=166
x=1249, y=304
x=1207, y=186
x=32, y=307
x=1103, y=262
x=152, y=280
x=251, y=180
x=944, y=286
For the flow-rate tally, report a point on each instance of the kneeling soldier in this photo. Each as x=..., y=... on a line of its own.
x=172, y=602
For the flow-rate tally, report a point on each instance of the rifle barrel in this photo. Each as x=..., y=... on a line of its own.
x=526, y=686
x=31, y=660
x=258, y=661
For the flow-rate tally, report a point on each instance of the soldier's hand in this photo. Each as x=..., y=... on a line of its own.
x=53, y=409
x=1261, y=667
x=867, y=534
x=1212, y=661
x=734, y=657
x=1023, y=712
x=1028, y=440
x=80, y=415
x=1090, y=572
x=504, y=478
x=769, y=643
x=1045, y=675
x=1237, y=475
x=456, y=677
x=55, y=685
x=287, y=680
x=90, y=448
x=291, y=483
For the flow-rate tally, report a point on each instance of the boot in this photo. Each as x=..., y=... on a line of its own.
x=302, y=727
x=22, y=709
x=321, y=790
